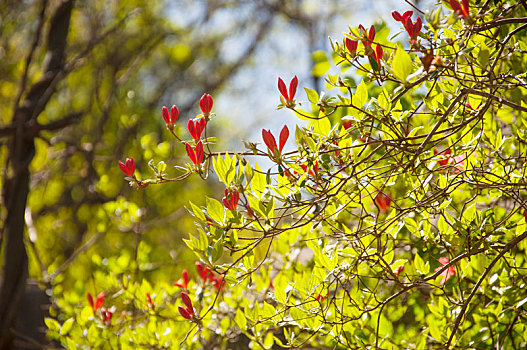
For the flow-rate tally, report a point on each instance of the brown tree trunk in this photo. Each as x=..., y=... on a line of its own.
x=16, y=182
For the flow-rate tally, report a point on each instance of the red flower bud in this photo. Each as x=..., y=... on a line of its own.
x=371, y=33
x=106, y=315
x=128, y=168
x=383, y=201
x=95, y=305
x=184, y=277
x=399, y=270
x=90, y=300
x=184, y=312
x=269, y=140
x=378, y=51
x=413, y=29
x=230, y=201
x=288, y=97
x=197, y=156
x=352, y=45
x=462, y=11
x=172, y=118
x=284, y=135
x=451, y=271
x=206, y=104
x=187, y=302
x=196, y=128
x=401, y=18
x=203, y=271
x=100, y=300
x=219, y=283
x=149, y=299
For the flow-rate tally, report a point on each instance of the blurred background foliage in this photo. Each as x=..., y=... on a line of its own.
x=125, y=59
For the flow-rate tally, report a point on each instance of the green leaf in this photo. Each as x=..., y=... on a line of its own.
x=419, y=264
x=322, y=126
x=280, y=284
x=52, y=324
x=258, y=182
x=402, y=64
x=322, y=64
x=203, y=241
x=198, y=213
x=161, y=166
x=240, y=319
x=66, y=326
x=361, y=95
x=215, y=210
x=217, y=251
x=220, y=168
x=312, y=95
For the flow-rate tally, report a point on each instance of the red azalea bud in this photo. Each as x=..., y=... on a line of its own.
x=206, y=104
x=196, y=128
x=383, y=201
x=149, y=299
x=269, y=140
x=219, y=283
x=371, y=33
x=195, y=156
x=352, y=45
x=378, y=51
x=128, y=168
x=399, y=270
x=185, y=277
x=166, y=116
x=200, y=154
x=106, y=315
x=187, y=302
x=174, y=114
x=171, y=118
x=99, y=301
x=284, y=135
x=292, y=88
x=397, y=16
x=282, y=89
x=203, y=271
x=184, y=312
x=90, y=300
x=288, y=97
x=190, y=153
x=230, y=201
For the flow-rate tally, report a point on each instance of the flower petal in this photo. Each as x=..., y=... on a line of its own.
x=284, y=135
x=174, y=114
x=292, y=88
x=166, y=116
x=282, y=89
x=190, y=153
x=184, y=312
x=124, y=168
x=187, y=302
x=200, y=154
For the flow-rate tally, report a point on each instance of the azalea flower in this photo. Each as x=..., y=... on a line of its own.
x=383, y=201
x=270, y=141
x=288, y=97
x=185, y=278
x=451, y=271
x=128, y=168
x=206, y=104
x=170, y=119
